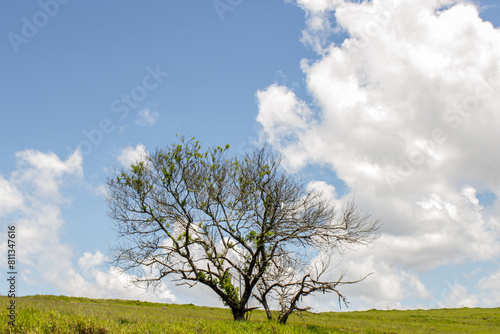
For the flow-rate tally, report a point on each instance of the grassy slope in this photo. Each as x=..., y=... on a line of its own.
x=51, y=314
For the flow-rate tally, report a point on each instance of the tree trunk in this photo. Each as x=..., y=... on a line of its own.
x=269, y=314
x=284, y=316
x=238, y=314
x=263, y=301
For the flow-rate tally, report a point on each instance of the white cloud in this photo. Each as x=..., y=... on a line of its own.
x=320, y=5
x=98, y=281
x=89, y=260
x=387, y=283
x=146, y=117
x=456, y=295
x=44, y=171
x=407, y=117
x=490, y=286
x=386, y=287
x=38, y=220
x=282, y=112
x=283, y=118
x=470, y=194
x=327, y=191
x=10, y=197
x=130, y=155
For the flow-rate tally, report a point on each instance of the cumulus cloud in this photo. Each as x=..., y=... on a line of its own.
x=89, y=260
x=490, y=288
x=146, y=117
x=10, y=198
x=405, y=112
x=283, y=113
x=130, y=155
x=384, y=285
x=97, y=280
x=38, y=178
x=455, y=295
x=44, y=170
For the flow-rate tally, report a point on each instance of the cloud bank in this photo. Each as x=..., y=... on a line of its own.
x=405, y=112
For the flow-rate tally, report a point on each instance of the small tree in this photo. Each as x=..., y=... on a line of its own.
x=204, y=217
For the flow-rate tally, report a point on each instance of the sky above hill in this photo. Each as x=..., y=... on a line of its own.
x=394, y=101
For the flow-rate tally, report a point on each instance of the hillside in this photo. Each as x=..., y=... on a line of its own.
x=61, y=314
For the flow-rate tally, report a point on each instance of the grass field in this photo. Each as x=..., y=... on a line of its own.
x=60, y=314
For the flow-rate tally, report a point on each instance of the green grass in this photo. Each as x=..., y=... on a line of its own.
x=60, y=314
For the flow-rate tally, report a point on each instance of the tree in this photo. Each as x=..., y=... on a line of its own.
x=203, y=217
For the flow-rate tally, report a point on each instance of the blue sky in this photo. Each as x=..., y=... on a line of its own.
x=112, y=78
